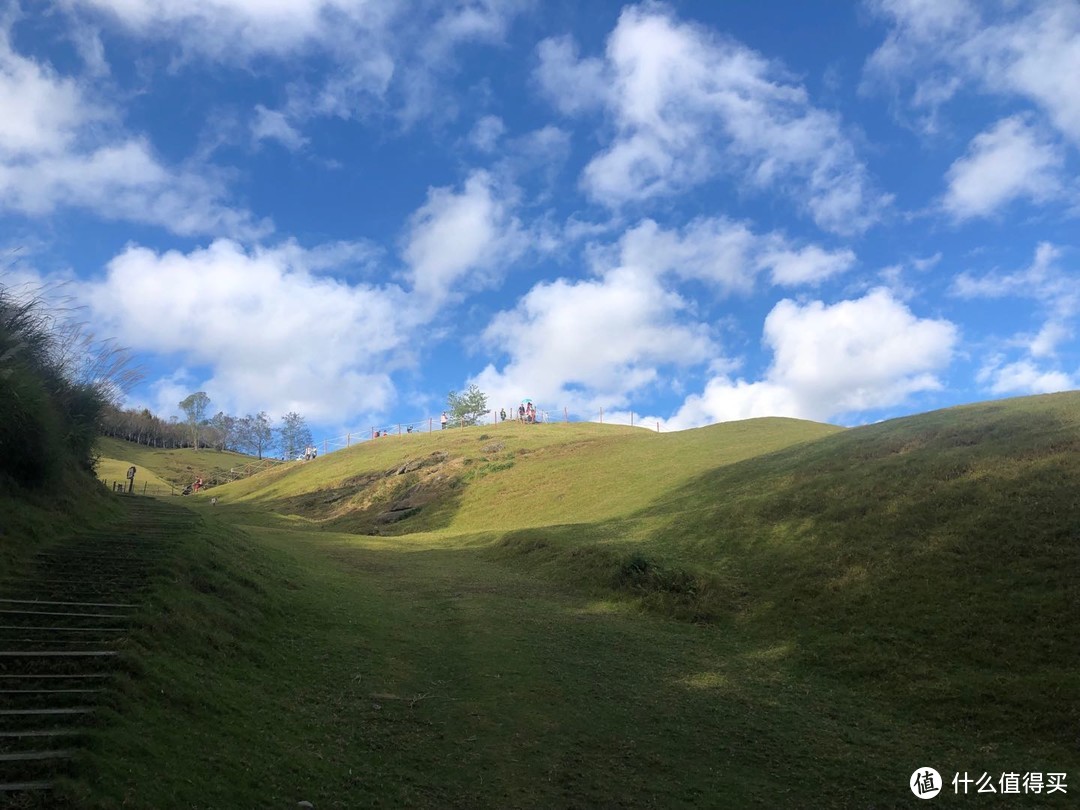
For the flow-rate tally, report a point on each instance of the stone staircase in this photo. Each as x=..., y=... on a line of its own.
x=65, y=615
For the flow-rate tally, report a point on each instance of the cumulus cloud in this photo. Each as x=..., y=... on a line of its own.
x=276, y=334
x=1022, y=377
x=59, y=148
x=688, y=105
x=588, y=344
x=728, y=255
x=462, y=239
x=808, y=265
x=595, y=342
x=1022, y=50
x=1008, y=161
x=831, y=360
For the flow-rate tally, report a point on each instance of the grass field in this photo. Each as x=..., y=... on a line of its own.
x=771, y=613
x=166, y=471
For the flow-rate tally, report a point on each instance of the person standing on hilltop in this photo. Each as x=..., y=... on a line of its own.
x=442, y=422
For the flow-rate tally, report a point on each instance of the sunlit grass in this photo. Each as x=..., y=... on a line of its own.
x=772, y=612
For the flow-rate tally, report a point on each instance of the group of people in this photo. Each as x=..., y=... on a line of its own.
x=310, y=452
x=526, y=413
x=379, y=434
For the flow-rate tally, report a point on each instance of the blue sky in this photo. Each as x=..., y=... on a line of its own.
x=694, y=211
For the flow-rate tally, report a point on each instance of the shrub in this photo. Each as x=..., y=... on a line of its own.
x=55, y=380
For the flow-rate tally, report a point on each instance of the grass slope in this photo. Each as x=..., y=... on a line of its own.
x=862, y=603
x=508, y=476
x=165, y=469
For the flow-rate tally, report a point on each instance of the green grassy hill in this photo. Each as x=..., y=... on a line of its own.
x=507, y=476
x=167, y=470
x=770, y=612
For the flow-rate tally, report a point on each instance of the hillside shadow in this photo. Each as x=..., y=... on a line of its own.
x=935, y=559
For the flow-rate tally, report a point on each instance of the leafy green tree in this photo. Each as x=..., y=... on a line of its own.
x=194, y=407
x=467, y=408
x=294, y=435
x=256, y=434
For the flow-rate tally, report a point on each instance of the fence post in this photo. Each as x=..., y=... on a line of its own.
x=601, y=416
x=324, y=445
x=565, y=414
x=657, y=427
x=399, y=430
x=429, y=424
x=348, y=440
x=631, y=418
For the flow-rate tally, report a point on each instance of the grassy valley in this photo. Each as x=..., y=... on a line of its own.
x=772, y=612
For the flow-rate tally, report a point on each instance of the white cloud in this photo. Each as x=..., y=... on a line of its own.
x=42, y=110
x=728, y=255
x=1022, y=50
x=596, y=342
x=588, y=344
x=59, y=148
x=688, y=105
x=809, y=265
x=1008, y=161
x=828, y=361
x=382, y=54
x=462, y=239
x=275, y=335
x=486, y=132
x=274, y=125
x=1057, y=294
x=1022, y=377
x=572, y=84
x=1050, y=336
x=716, y=250
x=232, y=30
x=1045, y=280
x=124, y=181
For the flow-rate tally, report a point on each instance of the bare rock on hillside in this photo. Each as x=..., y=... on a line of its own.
x=494, y=448
x=438, y=457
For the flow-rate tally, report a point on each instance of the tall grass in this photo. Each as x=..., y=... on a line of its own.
x=55, y=379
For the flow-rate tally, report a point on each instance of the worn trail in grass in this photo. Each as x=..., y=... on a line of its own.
x=431, y=676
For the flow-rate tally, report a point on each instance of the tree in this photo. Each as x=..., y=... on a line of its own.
x=256, y=435
x=467, y=408
x=294, y=434
x=226, y=427
x=194, y=406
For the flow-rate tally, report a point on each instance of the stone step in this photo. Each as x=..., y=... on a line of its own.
x=25, y=756
x=49, y=691
x=37, y=733
x=7, y=612
x=56, y=653
x=23, y=628
x=49, y=712
x=37, y=641
x=18, y=787
x=77, y=604
x=81, y=676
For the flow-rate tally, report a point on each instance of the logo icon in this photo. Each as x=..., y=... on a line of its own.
x=925, y=783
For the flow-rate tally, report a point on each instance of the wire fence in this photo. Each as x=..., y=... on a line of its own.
x=432, y=424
